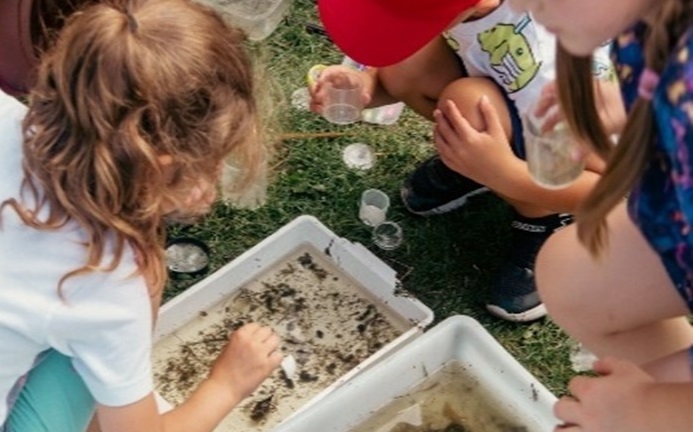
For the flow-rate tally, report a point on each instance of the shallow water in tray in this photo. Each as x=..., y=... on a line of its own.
x=449, y=400
x=326, y=321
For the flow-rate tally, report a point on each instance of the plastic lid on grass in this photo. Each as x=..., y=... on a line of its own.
x=187, y=255
x=300, y=99
x=358, y=156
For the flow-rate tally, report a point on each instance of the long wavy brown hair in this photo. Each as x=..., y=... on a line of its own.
x=628, y=159
x=125, y=84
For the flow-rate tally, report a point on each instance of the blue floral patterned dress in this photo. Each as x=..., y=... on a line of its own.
x=661, y=204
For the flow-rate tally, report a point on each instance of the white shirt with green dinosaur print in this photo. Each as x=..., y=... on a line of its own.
x=515, y=51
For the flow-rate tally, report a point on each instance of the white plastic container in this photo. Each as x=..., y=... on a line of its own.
x=258, y=18
x=505, y=396
x=188, y=313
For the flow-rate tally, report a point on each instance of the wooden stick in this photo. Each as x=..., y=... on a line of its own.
x=308, y=135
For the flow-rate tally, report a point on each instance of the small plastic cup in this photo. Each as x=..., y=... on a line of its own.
x=387, y=235
x=343, y=102
x=554, y=158
x=373, y=207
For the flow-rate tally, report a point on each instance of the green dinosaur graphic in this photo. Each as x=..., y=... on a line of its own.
x=452, y=42
x=510, y=54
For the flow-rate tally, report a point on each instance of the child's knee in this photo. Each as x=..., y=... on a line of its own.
x=466, y=93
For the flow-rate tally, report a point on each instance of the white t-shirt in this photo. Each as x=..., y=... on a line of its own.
x=514, y=50
x=104, y=321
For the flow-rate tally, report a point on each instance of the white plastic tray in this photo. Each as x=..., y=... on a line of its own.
x=364, y=268
x=457, y=339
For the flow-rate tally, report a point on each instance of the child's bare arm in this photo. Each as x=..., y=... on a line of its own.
x=250, y=356
x=379, y=95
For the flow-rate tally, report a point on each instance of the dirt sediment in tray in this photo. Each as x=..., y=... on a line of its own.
x=323, y=319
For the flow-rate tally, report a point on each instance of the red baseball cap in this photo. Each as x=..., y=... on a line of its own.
x=384, y=32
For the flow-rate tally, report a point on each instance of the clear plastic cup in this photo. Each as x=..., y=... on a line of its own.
x=554, y=158
x=343, y=102
x=387, y=235
x=373, y=207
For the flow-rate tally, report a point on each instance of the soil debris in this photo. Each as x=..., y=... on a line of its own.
x=325, y=322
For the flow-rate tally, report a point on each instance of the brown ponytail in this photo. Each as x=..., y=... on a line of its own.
x=628, y=159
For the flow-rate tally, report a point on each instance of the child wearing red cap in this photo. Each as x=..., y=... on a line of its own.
x=473, y=67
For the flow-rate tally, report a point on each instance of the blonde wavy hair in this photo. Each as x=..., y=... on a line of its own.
x=628, y=159
x=125, y=84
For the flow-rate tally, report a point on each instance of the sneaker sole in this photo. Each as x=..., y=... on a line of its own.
x=445, y=208
x=529, y=315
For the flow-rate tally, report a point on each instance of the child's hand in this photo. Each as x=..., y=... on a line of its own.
x=336, y=74
x=250, y=356
x=480, y=154
x=607, y=96
x=548, y=108
x=613, y=402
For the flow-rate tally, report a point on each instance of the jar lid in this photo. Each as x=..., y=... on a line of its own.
x=358, y=156
x=187, y=255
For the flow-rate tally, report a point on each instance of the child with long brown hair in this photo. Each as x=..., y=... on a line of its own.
x=134, y=109
x=627, y=294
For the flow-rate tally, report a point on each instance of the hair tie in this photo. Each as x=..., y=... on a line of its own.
x=648, y=83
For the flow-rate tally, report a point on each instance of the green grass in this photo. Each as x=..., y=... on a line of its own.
x=446, y=261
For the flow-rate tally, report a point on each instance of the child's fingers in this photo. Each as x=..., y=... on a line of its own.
x=317, y=97
x=494, y=127
x=607, y=365
x=249, y=328
x=269, y=349
x=272, y=341
x=458, y=124
x=316, y=107
x=251, y=332
x=441, y=143
x=567, y=409
x=453, y=126
x=275, y=358
x=339, y=75
x=579, y=384
x=265, y=335
x=444, y=131
x=547, y=99
x=365, y=98
x=551, y=120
